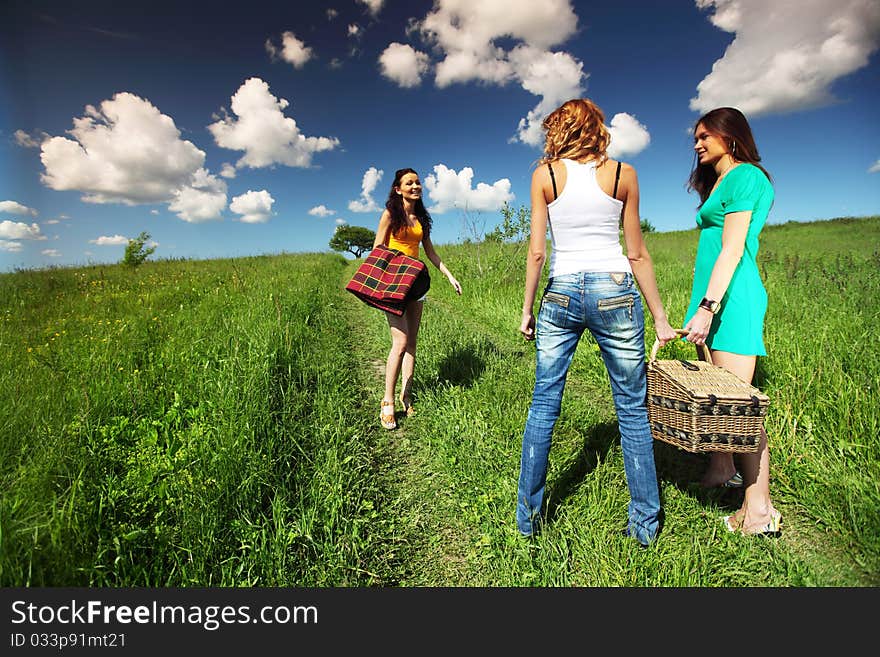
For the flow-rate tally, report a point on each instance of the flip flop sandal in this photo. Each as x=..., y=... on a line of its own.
x=736, y=481
x=408, y=407
x=387, y=419
x=772, y=528
x=732, y=529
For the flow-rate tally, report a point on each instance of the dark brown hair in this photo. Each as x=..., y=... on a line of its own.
x=394, y=204
x=729, y=125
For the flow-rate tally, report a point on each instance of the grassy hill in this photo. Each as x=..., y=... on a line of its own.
x=215, y=423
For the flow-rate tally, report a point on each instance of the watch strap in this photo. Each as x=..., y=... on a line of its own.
x=711, y=305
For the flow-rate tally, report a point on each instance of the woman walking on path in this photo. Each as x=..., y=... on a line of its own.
x=404, y=224
x=728, y=300
x=582, y=194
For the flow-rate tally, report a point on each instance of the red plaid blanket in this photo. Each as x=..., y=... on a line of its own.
x=388, y=279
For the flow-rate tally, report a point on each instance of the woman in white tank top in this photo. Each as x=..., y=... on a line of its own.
x=580, y=195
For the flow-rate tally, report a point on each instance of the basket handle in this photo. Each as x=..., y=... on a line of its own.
x=707, y=356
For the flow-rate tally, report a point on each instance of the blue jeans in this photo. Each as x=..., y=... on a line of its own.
x=612, y=312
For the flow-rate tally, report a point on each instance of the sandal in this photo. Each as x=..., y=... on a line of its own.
x=736, y=481
x=407, y=407
x=387, y=418
x=772, y=528
x=726, y=520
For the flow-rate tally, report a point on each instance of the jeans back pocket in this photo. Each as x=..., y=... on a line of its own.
x=555, y=297
x=616, y=311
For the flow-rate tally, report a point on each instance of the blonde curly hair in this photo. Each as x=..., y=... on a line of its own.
x=576, y=131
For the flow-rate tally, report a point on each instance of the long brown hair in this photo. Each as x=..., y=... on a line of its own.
x=729, y=125
x=576, y=131
x=394, y=204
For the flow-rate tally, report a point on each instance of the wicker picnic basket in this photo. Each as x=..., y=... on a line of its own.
x=701, y=407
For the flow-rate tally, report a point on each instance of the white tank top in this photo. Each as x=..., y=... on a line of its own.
x=584, y=225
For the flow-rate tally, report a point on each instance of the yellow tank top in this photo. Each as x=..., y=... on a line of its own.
x=408, y=240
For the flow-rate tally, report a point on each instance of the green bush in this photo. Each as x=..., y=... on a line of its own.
x=136, y=251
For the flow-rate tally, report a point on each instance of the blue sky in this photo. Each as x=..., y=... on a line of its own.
x=229, y=130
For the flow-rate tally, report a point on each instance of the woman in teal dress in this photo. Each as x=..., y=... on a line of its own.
x=728, y=300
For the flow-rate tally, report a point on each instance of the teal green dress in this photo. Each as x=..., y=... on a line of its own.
x=739, y=326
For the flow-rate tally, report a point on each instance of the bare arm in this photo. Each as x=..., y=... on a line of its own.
x=639, y=258
x=537, y=253
x=383, y=230
x=733, y=242
x=431, y=253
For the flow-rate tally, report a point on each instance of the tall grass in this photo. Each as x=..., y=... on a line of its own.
x=216, y=424
x=182, y=424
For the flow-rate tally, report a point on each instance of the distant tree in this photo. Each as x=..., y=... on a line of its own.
x=357, y=240
x=647, y=226
x=514, y=227
x=136, y=251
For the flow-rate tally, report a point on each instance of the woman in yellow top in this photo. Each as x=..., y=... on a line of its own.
x=404, y=224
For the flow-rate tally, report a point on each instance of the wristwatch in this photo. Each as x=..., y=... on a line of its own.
x=710, y=305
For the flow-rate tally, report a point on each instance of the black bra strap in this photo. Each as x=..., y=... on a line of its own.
x=616, y=180
x=553, y=180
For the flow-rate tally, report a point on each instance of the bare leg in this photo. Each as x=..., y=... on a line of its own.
x=721, y=469
x=757, y=508
x=413, y=317
x=398, y=326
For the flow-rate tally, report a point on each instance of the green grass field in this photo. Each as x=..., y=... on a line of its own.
x=215, y=423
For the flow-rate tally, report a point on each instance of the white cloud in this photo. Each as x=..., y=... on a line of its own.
x=466, y=30
x=115, y=240
x=254, y=207
x=227, y=170
x=293, y=51
x=467, y=35
x=29, y=141
x=354, y=30
x=321, y=211
x=52, y=253
x=628, y=136
x=874, y=167
x=341, y=222
x=128, y=152
x=262, y=131
x=786, y=53
x=403, y=64
x=331, y=14
x=366, y=203
x=11, y=247
x=14, y=207
x=555, y=76
x=125, y=152
x=203, y=200
x=375, y=6
x=16, y=230
x=448, y=189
